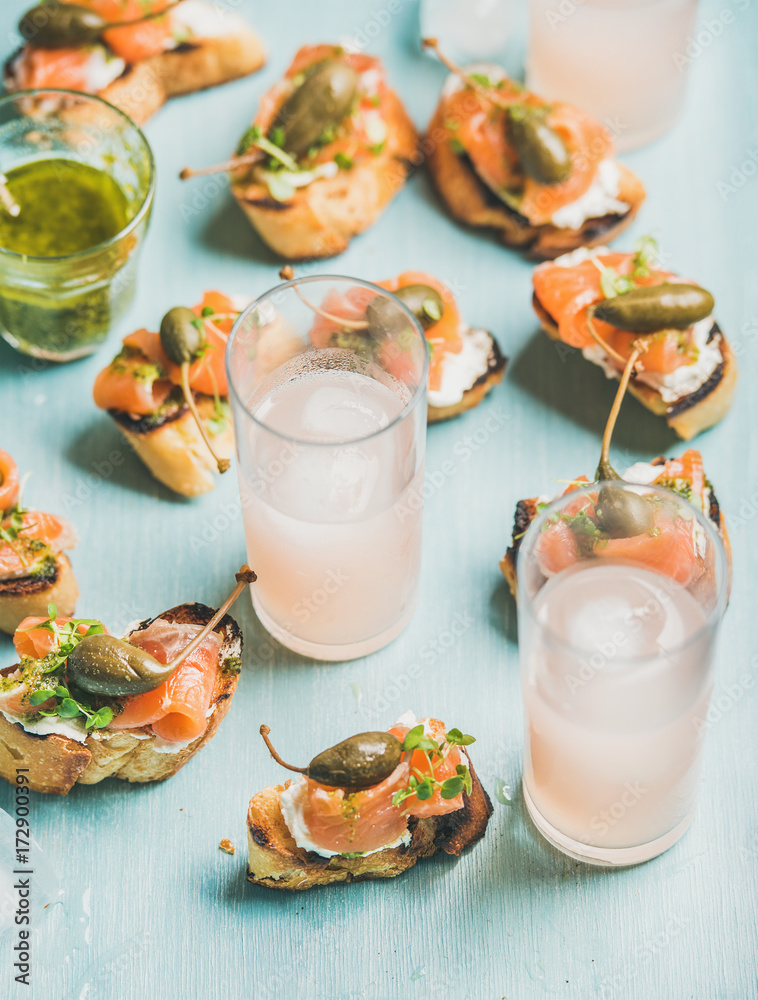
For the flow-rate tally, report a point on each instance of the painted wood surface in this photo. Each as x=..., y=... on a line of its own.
x=150, y=906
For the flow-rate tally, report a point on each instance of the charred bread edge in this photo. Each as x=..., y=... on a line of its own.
x=18, y=602
x=68, y=760
x=452, y=834
x=472, y=202
x=690, y=414
x=526, y=511
x=496, y=365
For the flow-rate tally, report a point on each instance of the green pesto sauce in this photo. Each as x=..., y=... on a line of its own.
x=66, y=207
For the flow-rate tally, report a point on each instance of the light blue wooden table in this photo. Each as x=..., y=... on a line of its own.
x=149, y=906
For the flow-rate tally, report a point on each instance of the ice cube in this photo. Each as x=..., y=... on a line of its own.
x=334, y=413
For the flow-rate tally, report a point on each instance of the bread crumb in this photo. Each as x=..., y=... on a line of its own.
x=227, y=846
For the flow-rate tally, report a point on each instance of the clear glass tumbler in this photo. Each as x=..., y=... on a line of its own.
x=61, y=308
x=327, y=381
x=623, y=61
x=616, y=638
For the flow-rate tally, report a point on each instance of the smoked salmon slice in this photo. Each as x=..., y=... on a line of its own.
x=38, y=642
x=177, y=709
x=137, y=41
x=9, y=482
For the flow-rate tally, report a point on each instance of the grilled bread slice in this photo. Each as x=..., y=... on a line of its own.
x=31, y=595
x=470, y=201
x=145, y=86
x=322, y=218
x=277, y=862
x=692, y=413
x=56, y=762
x=173, y=449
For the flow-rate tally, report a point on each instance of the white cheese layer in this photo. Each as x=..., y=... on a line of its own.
x=460, y=371
x=292, y=811
x=205, y=20
x=680, y=382
x=102, y=68
x=601, y=198
x=47, y=724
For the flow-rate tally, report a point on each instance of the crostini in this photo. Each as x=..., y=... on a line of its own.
x=34, y=571
x=329, y=149
x=153, y=50
x=684, y=475
x=623, y=524
x=369, y=807
x=182, y=432
x=465, y=363
x=67, y=711
x=541, y=175
x=599, y=301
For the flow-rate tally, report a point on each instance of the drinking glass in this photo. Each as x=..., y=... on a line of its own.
x=330, y=423
x=616, y=643
x=623, y=61
x=61, y=308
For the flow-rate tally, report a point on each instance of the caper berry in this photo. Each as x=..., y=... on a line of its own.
x=60, y=26
x=649, y=309
x=357, y=762
x=424, y=302
x=622, y=513
x=181, y=335
x=542, y=153
x=320, y=103
x=105, y=665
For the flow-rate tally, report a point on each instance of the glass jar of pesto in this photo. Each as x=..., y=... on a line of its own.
x=82, y=175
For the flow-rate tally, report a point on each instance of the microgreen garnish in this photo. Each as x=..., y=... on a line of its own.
x=68, y=706
x=67, y=636
x=423, y=784
x=12, y=524
x=612, y=283
x=343, y=161
x=254, y=137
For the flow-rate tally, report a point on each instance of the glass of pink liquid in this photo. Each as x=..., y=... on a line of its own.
x=623, y=61
x=616, y=639
x=330, y=422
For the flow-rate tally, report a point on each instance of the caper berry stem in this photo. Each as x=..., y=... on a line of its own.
x=244, y=160
x=287, y=274
x=222, y=464
x=599, y=340
x=605, y=469
x=10, y=204
x=244, y=578
x=488, y=92
x=264, y=731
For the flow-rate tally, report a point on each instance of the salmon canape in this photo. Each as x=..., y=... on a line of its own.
x=600, y=301
x=82, y=705
x=465, y=363
x=540, y=174
x=330, y=147
x=179, y=426
x=632, y=526
x=34, y=570
x=133, y=53
x=369, y=807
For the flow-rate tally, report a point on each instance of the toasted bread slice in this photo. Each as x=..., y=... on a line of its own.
x=174, y=451
x=324, y=216
x=56, y=762
x=145, y=86
x=493, y=373
x=471, y=202
x=690, y=414
x=30, y=595
x=526, y=511
x=276, y=861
